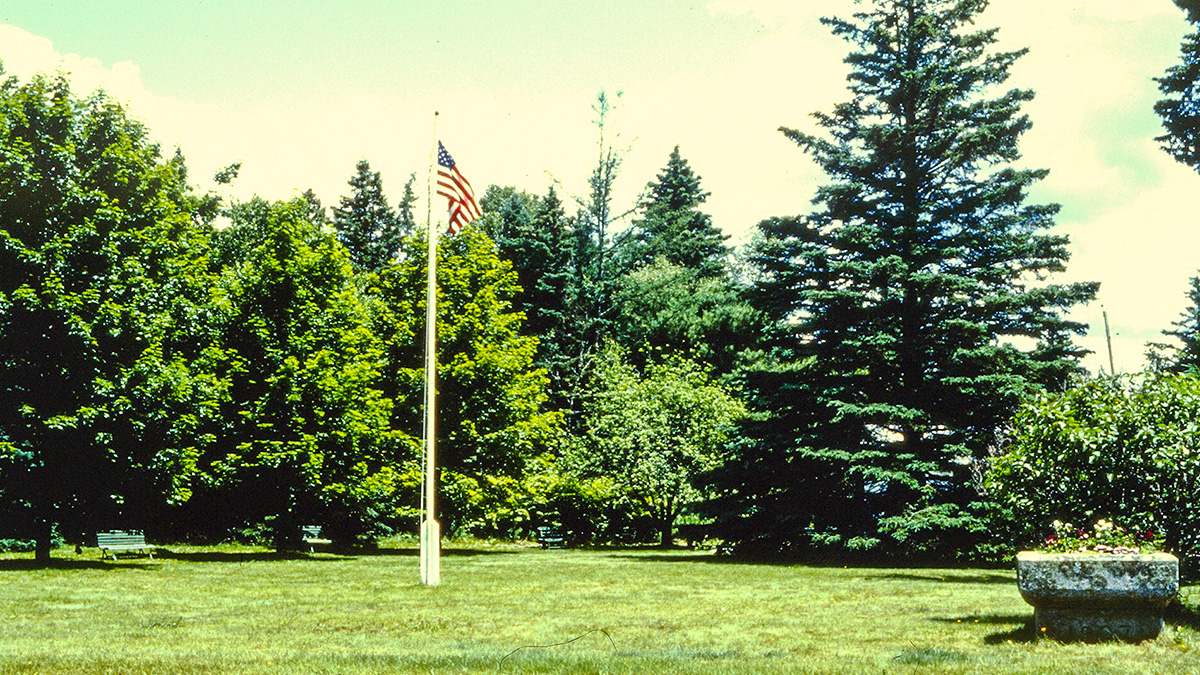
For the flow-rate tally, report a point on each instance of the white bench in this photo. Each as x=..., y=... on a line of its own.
x=551, y=537
x=114, y=541
x=311, y=535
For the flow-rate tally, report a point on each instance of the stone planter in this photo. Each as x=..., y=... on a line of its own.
x=1098, y=597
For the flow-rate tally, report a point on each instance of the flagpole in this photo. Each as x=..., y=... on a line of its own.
x=431, y=534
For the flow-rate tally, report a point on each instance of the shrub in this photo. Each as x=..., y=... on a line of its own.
x=1125, y=449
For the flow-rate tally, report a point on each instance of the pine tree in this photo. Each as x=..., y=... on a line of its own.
x=912, y=313
x=365, y=223
x=535, y=235
x=672, y=227
x=1184, y=356
x=1180, y=110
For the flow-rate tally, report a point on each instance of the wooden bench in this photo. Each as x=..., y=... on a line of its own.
x=311, y=535
x=551, y=537
x=120, y=541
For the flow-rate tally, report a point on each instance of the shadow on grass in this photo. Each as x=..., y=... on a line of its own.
x=1022, y=631
x=964, y=579
x=451, y=552
x=242, y=556
x=29, y=564
x=912, y=570
x=985, y=618
x=326, y=555
x=1184, y=615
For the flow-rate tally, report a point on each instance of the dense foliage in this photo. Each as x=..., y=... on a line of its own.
x=833, y=387
x=492, y=421
x=1123, y=449
x=909, y=323
x=655, y=433
x=1180, y=109
x=95, y=251
x=299, y=432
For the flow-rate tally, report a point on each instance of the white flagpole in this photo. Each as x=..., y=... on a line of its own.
x=431, y=532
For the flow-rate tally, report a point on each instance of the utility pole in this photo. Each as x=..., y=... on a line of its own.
x=1112, y=369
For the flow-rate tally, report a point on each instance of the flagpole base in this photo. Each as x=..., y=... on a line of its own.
x=431, y=551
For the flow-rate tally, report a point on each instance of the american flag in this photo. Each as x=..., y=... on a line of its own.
x=455, y=188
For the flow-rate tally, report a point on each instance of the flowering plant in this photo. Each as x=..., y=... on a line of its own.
x=1104, y=537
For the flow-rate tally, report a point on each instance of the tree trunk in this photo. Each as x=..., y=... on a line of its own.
x=668, y=528
x=44, y=541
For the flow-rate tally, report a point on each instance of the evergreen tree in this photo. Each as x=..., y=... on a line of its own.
x=535, y=234
x=365, y=223
x=911, y=314
x=1180, y=110
x=405, y=220
x=1184, y=356
x=672, y=227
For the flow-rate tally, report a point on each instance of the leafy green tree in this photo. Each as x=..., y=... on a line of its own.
x=1180, y=110
x=491, y=421
x=365, y=223
x=300, y=432
x=672, y=227
x=655, y=433
x=912, y=315
x=667, y=309
x=1117, y=448
x=96, y=252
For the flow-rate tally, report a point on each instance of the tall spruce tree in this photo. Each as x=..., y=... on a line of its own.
x=1180, y=110
x=1184, y=356
x=672, y=227
x=911, y=306
x=534, y=234
x=365, y=223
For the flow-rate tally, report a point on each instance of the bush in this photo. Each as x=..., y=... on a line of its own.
x=1124, y=449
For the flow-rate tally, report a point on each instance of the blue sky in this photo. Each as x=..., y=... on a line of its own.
x=299, y=91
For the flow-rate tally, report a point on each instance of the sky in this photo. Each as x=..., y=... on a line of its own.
x=299, y=91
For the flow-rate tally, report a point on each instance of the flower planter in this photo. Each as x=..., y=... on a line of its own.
x=1097, y=597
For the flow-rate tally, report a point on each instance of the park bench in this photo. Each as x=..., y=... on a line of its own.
x=120, y=541
x=551, y=537
x=311, y=535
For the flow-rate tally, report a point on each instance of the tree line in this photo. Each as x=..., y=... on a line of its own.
x=205, y=369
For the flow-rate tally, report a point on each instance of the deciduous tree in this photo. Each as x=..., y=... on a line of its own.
x=491, y=420
x=655, y=433
x=300, y=431
x=97, y=256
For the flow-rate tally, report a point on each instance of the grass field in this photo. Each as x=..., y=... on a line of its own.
x=245, y=610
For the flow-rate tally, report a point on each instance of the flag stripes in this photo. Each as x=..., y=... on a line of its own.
x=454, y=187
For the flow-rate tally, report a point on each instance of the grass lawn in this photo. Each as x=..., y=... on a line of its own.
x=244, y=610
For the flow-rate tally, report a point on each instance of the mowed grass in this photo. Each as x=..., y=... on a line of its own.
x=501, y=608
